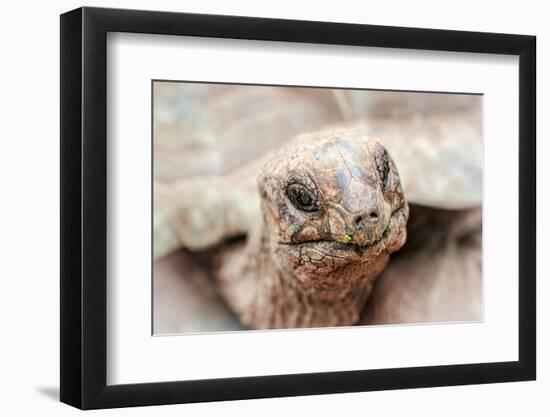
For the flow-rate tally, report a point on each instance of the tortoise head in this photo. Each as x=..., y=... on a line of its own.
x=333, y=208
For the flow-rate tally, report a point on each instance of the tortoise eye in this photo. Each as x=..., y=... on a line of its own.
x=302, y=197
x=383, y=166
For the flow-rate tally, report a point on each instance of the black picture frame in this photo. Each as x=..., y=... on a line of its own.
x=84, y=207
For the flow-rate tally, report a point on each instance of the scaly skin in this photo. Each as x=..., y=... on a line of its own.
x=333, y=211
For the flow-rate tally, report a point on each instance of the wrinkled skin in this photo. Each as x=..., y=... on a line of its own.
x=333, y=212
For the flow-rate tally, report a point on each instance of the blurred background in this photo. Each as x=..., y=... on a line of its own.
x=209, y=129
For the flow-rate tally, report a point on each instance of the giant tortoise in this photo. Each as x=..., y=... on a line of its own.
x=294, y=207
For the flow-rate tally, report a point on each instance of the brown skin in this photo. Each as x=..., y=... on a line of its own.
x=333, y=212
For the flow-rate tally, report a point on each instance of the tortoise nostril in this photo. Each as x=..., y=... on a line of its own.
x=363, y=220
x=359, y=224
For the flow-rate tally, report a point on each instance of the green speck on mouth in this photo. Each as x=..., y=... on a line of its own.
x=347, y=238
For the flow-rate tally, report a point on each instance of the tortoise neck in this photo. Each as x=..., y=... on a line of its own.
x=267, y=295
x=281, y=301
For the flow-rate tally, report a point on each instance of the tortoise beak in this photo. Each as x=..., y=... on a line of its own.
x=362, y=228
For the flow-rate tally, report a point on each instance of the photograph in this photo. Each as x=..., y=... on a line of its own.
x=263, y=206
x=292, y=207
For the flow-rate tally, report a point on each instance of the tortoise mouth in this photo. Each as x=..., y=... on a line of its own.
x=338, y=250
x=331, y=253
x=331, y=264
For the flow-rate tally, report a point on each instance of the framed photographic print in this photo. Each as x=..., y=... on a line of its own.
x=257, y=207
